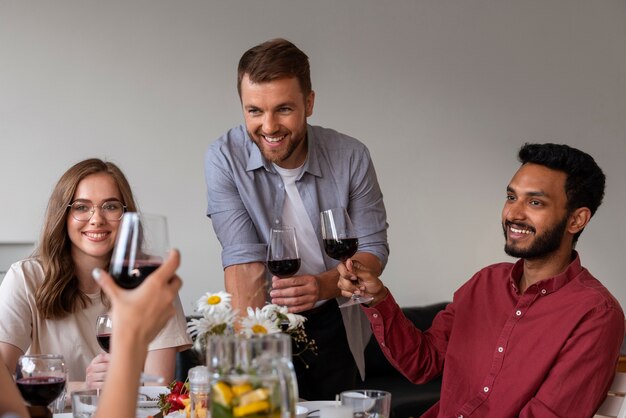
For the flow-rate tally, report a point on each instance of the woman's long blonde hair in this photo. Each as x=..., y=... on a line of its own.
x=59, y=294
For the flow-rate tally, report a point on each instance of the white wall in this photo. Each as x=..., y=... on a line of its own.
x=442, y=92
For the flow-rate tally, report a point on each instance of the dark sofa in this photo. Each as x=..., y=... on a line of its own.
x=407, y=399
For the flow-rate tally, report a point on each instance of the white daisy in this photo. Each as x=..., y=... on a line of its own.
x=199, y=326
x=274, y=312
x=217, y=322
x=257, y=323
x=212, y=302
x=295, y=321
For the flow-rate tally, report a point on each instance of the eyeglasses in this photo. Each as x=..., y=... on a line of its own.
x=111, y=210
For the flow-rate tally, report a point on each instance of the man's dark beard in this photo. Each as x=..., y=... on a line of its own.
x=544, y=244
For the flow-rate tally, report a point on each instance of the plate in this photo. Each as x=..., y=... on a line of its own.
x=301, y=411
x=176, y=414
x=151, y=394
x=314, y=406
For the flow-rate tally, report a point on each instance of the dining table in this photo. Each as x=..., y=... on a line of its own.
x=147, y=403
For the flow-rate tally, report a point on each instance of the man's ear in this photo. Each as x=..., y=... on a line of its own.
x=578, y=220
x=309, y=102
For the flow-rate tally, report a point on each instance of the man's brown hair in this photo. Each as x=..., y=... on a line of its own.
x=273, y=60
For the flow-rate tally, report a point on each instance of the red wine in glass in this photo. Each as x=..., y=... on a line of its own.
x=40, y=378
x=104, y=341
x=284, y=268
x=131, y=277
x=41, y=390
x=282, y=252
x=340, y=242
x=140, y=248
x=341, y=249
x=104, y=328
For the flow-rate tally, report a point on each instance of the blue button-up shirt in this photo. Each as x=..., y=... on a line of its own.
x=246, y=196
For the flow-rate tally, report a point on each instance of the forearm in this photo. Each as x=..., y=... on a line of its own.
x=161, y=363
x=406, y=348
x=74, y=385
x=247, y=285
x=124, y=372
x=142, y=312
x=327, y=283
x=10, y=354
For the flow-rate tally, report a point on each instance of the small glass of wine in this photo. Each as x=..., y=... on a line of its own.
x=104, y=327
x=141, y=246
x=341, y=242
x=40, y=378
x=104, y=330
x=282, y=252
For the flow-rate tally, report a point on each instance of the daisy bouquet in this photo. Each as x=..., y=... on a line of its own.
x=217, y=317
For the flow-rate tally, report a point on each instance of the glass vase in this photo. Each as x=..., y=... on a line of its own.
x=251, y=376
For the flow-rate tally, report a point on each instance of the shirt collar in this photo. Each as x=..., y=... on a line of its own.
x=551, y=284
x=256, y=159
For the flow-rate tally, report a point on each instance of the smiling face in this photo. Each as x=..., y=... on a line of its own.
x=93, y=240
x=535, y=216
x=275, y=114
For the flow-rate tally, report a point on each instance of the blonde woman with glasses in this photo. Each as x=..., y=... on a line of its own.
x=49, y=302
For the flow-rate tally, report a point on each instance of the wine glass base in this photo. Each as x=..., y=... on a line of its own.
x=356, y=300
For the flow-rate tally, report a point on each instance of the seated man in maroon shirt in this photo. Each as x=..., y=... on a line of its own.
x=538, y=338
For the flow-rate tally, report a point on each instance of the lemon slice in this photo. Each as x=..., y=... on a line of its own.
x=223, y=394
x=252, y=408
x=239, y=390
x=260, y=394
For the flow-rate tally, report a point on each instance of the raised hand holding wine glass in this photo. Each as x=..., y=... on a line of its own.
x=341, y=243
x=40, y=378
x=283, y=259
x=141, y=246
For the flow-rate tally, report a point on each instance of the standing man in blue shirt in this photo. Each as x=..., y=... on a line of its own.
x=276, y=170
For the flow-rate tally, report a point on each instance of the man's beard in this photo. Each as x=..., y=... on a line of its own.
x=544, y=244
x=271, y=157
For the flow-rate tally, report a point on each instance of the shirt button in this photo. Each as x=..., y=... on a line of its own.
x=460, y=416
x=375, y=315
x=544, y=291
x=518, y=313
x=500, y=349
x=277, y=221
x=485, y=389
x=383, y=344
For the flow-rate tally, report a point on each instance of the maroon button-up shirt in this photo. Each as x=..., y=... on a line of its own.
x=550, y=352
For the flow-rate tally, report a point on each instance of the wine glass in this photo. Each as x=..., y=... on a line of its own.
x=140, y=248
x=104, y=330
x=104, y=327
x=40, y=378
x=341, y=243
x=282, y=252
